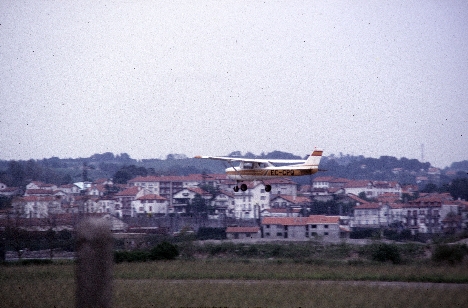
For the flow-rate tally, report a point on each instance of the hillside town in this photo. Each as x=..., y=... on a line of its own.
x=173, y=203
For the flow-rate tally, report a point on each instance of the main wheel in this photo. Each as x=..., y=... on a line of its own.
x=243, y=187
x=267, y=188
x=236, y=188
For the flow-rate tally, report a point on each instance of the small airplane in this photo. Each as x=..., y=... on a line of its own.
x=252, y=169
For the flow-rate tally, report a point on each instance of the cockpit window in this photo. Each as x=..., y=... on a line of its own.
x=248, y=166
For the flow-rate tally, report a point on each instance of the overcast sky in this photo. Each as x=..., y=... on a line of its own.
x=150, y=78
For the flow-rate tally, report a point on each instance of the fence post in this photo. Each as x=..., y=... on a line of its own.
x=94, y=260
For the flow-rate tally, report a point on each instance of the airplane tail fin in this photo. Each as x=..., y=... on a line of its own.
x=314, y=158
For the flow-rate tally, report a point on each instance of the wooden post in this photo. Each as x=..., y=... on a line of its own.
x=94, y=260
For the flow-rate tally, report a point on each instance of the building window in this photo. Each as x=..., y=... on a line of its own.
x=268, y=226
x=267, y=234
x=314, y=226
x=326, y=233
x=307, y=234
x=279, y=234
x=325, y=226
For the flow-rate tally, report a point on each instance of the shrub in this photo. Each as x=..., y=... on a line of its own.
x=386, y=252
x=208, y=233
x=164, y=251
x=363, y=233
x=131, y=256
x=449, y=253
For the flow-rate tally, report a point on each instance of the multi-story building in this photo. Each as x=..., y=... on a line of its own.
x=36, y=206
x=301, y=228
x=249, y=203
x=123, y=200
x=434, y=213
x=425, y=214
x=371, y=215
x=150, y=204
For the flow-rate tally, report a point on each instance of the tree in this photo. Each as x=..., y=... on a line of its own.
x=17, y=174
x=459, y=188
x=430, y=188
x=362, y=195
x=127, y=173
x=199, y=205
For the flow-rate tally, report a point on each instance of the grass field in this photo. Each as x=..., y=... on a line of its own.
x=244, y=283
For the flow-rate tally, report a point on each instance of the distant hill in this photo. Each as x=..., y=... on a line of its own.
x=106, y=165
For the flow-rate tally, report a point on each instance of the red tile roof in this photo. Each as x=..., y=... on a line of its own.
x=279, y=211
x=340, y=180
x=356, y=198
x=132, y=191
x=170, y=178
x=242, y=229
x=35, y=199
x=369, y=205
x=199, y=191
x=39, y=192
x=357, y=183
x=151, y=197
x=323, y=179
x=301, y=221
x=292, y=199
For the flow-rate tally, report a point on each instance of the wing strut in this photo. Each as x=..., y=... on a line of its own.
x=238, y=173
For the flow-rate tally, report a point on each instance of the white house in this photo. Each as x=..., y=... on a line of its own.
x=283, y=212
x=288, y=201
x=321, y=182
x=185, y=196
x=371, y=215
x=248, y=204
x=166, y=186
x=301, y=228
x=149, y=205
x=70, y=189
x=372, y=189
x=36, y=206
x=123, y=200
x=222, y=202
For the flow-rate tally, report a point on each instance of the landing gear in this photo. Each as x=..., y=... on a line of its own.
x=243, y=187
x=267, y=188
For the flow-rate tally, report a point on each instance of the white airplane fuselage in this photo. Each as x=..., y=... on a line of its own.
x=243, y=174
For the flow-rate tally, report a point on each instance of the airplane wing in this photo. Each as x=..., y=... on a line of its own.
x=255, y=160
